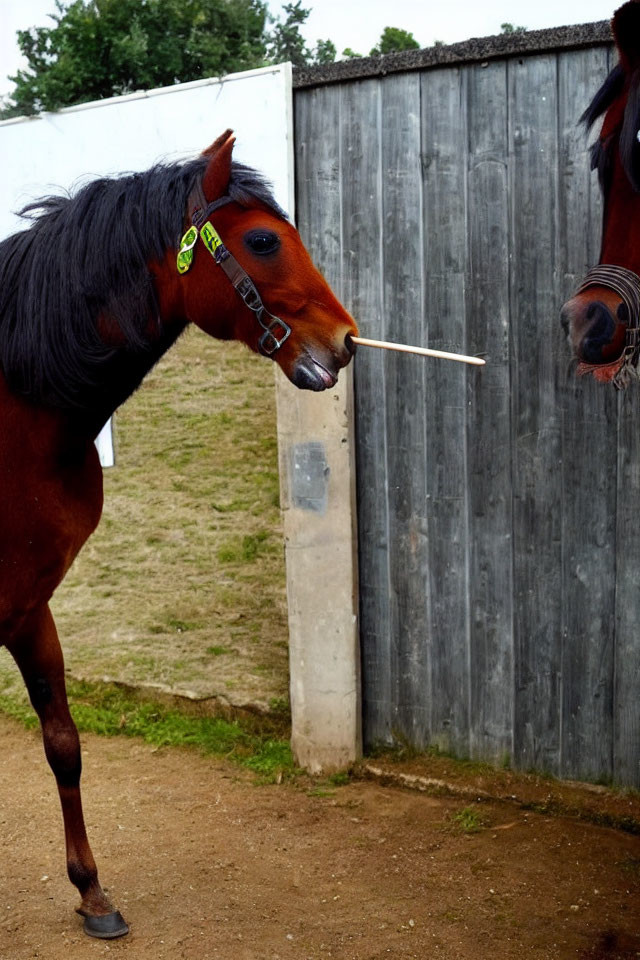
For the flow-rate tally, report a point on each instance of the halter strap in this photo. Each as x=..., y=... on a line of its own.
x=627, y=285
x=203, y=210
x=275, y=330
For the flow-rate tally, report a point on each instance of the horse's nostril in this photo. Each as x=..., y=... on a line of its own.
x=623, y=314
x=602, y=322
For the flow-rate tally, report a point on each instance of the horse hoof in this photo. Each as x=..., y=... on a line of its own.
x=106, y=927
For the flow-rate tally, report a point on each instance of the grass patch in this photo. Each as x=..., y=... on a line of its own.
x=188, y=555
x=280, y=709
x=110, y=711
x=340, y=779
x=468, y=820
x=243, y=550
x=272, y=761
x=326, y=787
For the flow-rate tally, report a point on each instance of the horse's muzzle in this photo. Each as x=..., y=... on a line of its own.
x=310, y=374
x=317, y=368
x=596, y=331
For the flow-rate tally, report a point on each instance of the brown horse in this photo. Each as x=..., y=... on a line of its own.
x=91, y=296
x=602, y=317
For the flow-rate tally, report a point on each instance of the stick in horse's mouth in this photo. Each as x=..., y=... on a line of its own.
x=422, y=351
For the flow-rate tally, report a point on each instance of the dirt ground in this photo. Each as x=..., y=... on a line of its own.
x=206, y=864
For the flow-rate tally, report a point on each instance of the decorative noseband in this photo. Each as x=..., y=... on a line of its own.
x=276, y=330
x=627, y=285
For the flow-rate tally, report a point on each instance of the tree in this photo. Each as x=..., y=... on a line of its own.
x=393, y=40
x=287, y=43
x=324, y=52
x=102, y=48
x=509, y=28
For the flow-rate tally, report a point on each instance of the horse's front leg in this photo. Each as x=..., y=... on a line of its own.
x=36, y=650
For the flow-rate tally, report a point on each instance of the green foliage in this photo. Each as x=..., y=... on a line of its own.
x=243, y=549
x=324, y=52
x=325, y=788
x=394, y=40
x=218, y=651
x=510, y=28
x=340, y=779
x=104, y=48
x=271, y=760
x=280, y=709
x=287, y=43
x=468, y=820
x=110, y=712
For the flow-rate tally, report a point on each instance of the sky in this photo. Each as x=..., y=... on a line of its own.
x=359, y=23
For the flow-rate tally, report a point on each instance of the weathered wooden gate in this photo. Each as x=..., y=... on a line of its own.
x=451, y=205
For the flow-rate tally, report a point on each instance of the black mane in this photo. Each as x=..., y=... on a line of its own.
x=87, y=255
x=627, y=139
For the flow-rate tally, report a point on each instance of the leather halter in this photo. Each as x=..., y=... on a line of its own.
x=627, y=285
x=275, y=330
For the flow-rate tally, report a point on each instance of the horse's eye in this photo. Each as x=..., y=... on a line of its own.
x=262, y=242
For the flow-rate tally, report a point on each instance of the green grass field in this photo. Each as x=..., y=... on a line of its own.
x=183, y=584
x=259, y=744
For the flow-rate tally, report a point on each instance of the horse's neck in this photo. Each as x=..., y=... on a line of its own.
x=122, y=375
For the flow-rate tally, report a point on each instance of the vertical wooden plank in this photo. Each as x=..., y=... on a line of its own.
x=536, y=418
x=626, y=701
x=445, y=243
x=362, y=270
x=405, y=402
x=606, y=59
x=318, y=179
x=489, y=417
x=626, y=706
x=580, y=73
x=588, y=465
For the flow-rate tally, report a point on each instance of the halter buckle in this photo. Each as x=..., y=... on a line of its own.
x=249, y=293
x=269, y=342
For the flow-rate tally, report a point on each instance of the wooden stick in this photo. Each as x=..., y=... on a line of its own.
x=422, y=351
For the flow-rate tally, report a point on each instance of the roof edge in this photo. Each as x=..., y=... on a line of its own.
x=477, y=49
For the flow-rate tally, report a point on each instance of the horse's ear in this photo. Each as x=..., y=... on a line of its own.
x=626, y=30
x=218, y=172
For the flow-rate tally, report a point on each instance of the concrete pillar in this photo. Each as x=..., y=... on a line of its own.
x=317, y=482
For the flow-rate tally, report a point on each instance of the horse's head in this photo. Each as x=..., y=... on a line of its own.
x=244, y=274
x=602, y=317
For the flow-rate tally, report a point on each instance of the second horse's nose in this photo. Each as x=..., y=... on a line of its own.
x=599, y=330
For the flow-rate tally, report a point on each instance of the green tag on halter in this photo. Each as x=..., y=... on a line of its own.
x=211, y=238
x=185, y=253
